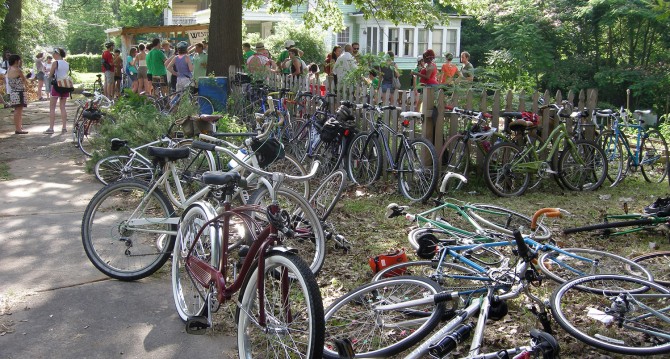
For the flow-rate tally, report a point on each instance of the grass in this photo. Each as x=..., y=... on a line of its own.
x=360, y=218
x=4, y=172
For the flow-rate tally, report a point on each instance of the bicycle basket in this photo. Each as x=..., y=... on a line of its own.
x=267, y=151
x=386, y=260
x=193, y=127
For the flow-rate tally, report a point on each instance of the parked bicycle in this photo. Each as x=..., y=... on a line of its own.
x=415, y=160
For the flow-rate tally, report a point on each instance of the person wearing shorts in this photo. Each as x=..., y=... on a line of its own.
x=108, y=69
x=59, y=70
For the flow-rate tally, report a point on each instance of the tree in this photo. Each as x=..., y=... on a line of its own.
x=11, y=28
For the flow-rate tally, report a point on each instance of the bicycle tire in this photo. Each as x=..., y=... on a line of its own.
x=326, y=196
x=114, y=168
x=608, y=225
x=290, y=165
x=354, y=317
x=364, y=160
x=189, y=295
x=330, y=154
x=455, y=157
x=653, y=144
x=75, y=126
x=293, y=136
x=588, y=177
x=190, y=171
x=613, y=149
x=310, y=240
x=428, y=269
x=110, y=244
x=203, y=104
x=303, y=323
x=658, y=263
x=417, y=170
x=499, y=173
x=562, y=268
x=629, y=314
x=511, y=220
x=90, y=129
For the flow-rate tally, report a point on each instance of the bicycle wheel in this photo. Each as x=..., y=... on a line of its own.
x=501, y=172
x=505, y=221
x=449, y=275
x=294, y=138
x=658, y=264
x=330, y=154
x=613, y=149
x=586, y=173
x=654, y=156
x=90, y=129
x=417, y=170
x=121, y=230
x=114, y=168
x=378, y=333
x=202, y=105
x=618, y=318
x=294, y=321
x=562, y=267
x=189, y=171
x=309, y=238
x=189, y=295
x=364, y=162
x=324, y=199
x=78, y=118
x=290, y=165
x=455, y=157
x=610, y=225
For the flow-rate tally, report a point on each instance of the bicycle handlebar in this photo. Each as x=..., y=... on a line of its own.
x=443, y=186
x=468, y=112
x=211, y=147
x=549, y=212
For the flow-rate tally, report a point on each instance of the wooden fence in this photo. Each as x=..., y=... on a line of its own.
x=438, y=123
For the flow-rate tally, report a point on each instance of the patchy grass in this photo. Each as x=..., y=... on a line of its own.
x=360, y=218
x=4, y=172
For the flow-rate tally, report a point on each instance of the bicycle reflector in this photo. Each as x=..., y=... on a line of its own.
x=405, y=123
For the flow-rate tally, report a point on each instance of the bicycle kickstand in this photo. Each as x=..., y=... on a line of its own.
x=198, y=325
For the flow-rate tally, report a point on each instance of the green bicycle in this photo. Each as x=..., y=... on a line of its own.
x=581, y=165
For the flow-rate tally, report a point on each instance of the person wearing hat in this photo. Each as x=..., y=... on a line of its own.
x=181, y=67
x=259, y=64
x=448, y=70
x=108, y=69
x=284, y=59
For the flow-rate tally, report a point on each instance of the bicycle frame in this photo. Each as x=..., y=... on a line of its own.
x=379, y=129
x=478, y=236
x=559, y=134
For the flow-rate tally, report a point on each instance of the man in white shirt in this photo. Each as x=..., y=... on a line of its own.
x=344, y=65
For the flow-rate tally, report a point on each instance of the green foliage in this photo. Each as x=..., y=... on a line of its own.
x=309, y=40
x=85, y=62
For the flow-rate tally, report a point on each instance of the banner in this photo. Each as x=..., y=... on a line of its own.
x=197, y=36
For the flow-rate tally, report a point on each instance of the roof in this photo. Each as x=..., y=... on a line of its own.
x=119, y=31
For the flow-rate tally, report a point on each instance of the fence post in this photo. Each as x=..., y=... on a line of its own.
x=439, y=122
x=428, y=131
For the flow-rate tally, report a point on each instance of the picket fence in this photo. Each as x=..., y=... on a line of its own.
x=438, y=123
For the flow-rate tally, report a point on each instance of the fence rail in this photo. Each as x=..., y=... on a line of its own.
x=439, y=124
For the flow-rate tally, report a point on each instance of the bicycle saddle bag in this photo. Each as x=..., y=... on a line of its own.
x=267, y=151
x=386, y=260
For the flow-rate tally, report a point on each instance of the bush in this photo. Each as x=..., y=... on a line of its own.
x=85, y=62
x=309, y=40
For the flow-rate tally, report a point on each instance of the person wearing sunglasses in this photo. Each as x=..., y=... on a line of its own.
x=355, y=48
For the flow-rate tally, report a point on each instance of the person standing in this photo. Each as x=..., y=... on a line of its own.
x=47, y=79
x=260, y=65
x=17, y=86
x=39, y=68
x=428, y=74
x=118, y=67
x=247, y=52
x=389, y=73
x=183, y=65
x=143, y=83
x=167, y=50
x=296, y=63
x=355, y=48
x=59, y=70
x=344, y=65
x=467, y=71
x=448, y=71
x=108, y=69
x=131, y=70
x=283, y=59
x=329, y=65
x=156, y=66
x=4, y=67
x=199, y=64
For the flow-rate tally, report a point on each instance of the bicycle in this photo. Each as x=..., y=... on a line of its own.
x=384, y=318
x=613, y=225
x=129, y=226
x=415, y=161
x=559, y=264
x=279, y=302
x=89, y=119
x=658, y=263
x=97, y=84
x=582, y=164
x=650, y=152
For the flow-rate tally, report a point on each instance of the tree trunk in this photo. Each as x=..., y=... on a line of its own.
x=225, y=36
x=11, y=28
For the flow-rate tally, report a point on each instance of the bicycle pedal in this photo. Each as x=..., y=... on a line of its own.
x=197, y=325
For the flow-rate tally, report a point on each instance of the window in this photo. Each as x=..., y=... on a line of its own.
x=451, y=42
x=437, y=42
x=393, y=42
x=343, y=37
x=423, y=41
x=373, y=40
x=408, y=42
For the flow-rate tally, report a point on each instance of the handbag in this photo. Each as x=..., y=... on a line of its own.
x=396, y=83
x=62, y=85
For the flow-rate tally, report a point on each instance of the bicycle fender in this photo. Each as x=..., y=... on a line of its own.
x=282, y=249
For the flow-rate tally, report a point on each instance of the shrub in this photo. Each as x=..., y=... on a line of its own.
x=85, y=62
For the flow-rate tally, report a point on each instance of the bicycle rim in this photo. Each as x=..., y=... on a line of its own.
x=584, y=167
x=500, y=171
x=115, y=168
x=613, y=149
x=364, y=163
x=324, y=199
x=418, y=171
x=654, y=157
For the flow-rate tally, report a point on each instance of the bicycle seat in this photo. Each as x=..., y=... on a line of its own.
x=87, y=94
x=331, y=95
x=604, y=113
x=406, y=114
x=208, y=118
x=98, y=76
x=170, y=154
x=118, y=143
x=521, y=125
x=219, y=178
x=511, y=114
x=642, y=112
